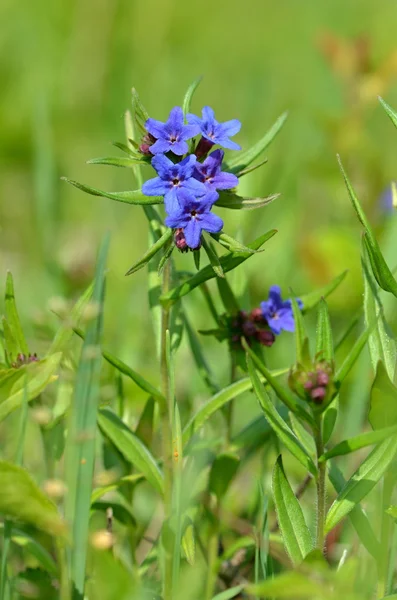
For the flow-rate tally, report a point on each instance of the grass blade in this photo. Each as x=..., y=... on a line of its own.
x=130, y=197
x=313, y=298
x=187, y=100
x=12, y=316
x=359, y=441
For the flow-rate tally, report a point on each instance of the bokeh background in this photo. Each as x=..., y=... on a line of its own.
x=67, y=69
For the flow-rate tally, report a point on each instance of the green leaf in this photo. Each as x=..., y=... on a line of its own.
x=305, y=438
x=80, y=450
x=247, y=157
x=230, y=593
x=126, y=149
x=131, y=447
x=168, y=250
x=389, y=111
x=380, y=269
x=233, y=201
x=213, y=258
x=189, y=543
x=228, y=262
x=145, y=427
x=199, y=357
x=329, y=419
x=313, y=298
x=121, y=366
x=253, y=168
x=362, y=481
x=65, y=332
x=10, y=343
x=296, y=535
x=292, y=585
x=279, y=426
x=223, y=470
x=324, y=342
x=33, y=547
x=216, y=402
x=363, y=440
x=151, y=252
x=22, y=500
x=301, y=339
x=352, y=357
x=228, y=298
x=117, y=161
x=357, y=516
x=12, y=316
x=39, y=375
x=383, y=408
x=231, y=244
x=282, y=392
x=187, y=100
x=382, y=345
x=130, y=197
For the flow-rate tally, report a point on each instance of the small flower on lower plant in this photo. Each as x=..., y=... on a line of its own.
x=315, y=383
x=278, y=312
x=24, y=359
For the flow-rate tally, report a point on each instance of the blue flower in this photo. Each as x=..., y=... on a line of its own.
x=209, y=172
x=194, y=216
x=172, y=134
x=172, y=179
x=216, y=133
x=277, y=312
x=389, y=197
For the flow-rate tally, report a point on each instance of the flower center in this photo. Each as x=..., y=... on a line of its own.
x=175, y=181
x=193, y=213
x=173, y=138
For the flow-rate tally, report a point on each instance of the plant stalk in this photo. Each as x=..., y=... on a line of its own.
x=320, y=486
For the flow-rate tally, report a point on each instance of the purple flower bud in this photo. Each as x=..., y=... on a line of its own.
x=308, y=385
x=265, y=337
x=318, y=394
x=322, y=378
x=203, y=147
x=249, y=328
x=180, y=240
x=256, y=315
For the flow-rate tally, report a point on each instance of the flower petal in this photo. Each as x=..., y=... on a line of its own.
x=192, y=233
x=211, y=223
x=230, y=128
x=155, y=127
x=162, y=165
x=175, y=119
x=190, y=131
x=160, y=146
x=225, y=181
x=274, y=325
x=208, y=114
x=193, y=186
x=171, y=201
x=193, y=120
x=155, y=187
x=179, y=148
x=275, y=296
x=226, y=143
x=286, y=319
x=177, y=219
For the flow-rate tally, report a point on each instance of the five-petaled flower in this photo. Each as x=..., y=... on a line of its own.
x=215, y=132
x=209, y=172
x=172, y=179
x=172, y=134
x=194, y=216
x=278, y=312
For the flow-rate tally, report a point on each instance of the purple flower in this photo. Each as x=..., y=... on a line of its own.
x=172, y=134
x=217, y=133
x=389, y=197
x=193, y=216
x=277, y=312
x=209, y=172
x=172, y=179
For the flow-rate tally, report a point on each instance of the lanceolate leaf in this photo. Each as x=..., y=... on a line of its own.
x=383, y=410
x=313, y=298
x=280, y=427
x=382, y=345
x=362, y=482
x=22, y=500
x=12, y=317
x=324, y=343
x=151, y=252
x=189, y=95
x=131, y=447
x=228, y=262
x=132, y=197
x=296, y=535
x=244, y=159
x=301, y=339
x=390, y=112
x=212, y=257
x=116, y=161
x=231, y=200
x=351, y=358
x=360, y=441
x=216, y=402
x=380, y=269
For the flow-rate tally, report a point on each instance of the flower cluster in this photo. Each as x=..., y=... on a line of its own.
x=188, y=177
x=24, y=359
x=314, y=384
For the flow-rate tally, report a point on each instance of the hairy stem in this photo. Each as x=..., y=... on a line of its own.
x=320, y=487
x=166, y=412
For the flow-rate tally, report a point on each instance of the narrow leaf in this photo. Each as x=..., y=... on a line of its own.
x=199, y=357
x=12, y=316
x=230, y=593
x=187, y=100
x=324, y=342
x=116, y=161
x=389, y=111
x=296, y=535
x=131, y=447
x=235, y=202
x=227, y=296
x=292, y=585
x=65, y=332
x=151, y=252
x=213, y=258
x=313, y=298
x=362, y=481
x=352, y=357
x=360, y=441
x=130, y=197
x=22, y=500
x=301, y=338
x=223, y=470
x=279, y=426
x=383, y=408
x=228, y=262
x=244, y=159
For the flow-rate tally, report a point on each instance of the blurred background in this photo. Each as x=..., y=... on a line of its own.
x=67, y=69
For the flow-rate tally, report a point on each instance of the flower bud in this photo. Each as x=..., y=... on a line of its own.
x=256, y=315
x=314, y=385
x=265, y=337
x=203, y=147
x=180, y=240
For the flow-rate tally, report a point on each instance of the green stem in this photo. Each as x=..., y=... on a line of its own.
x=320, y=486
x=64, y=581
x=386, y=522
x=4, y=556
x=212, y=556
x=166, y=412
